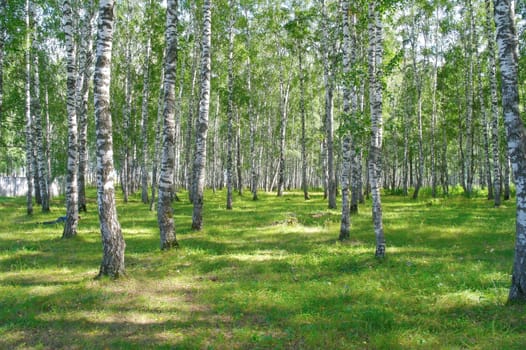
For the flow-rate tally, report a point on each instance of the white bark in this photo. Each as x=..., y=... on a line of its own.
x=112, y=239
x=165, y=217
x=375, y=97
x=495, y=142
x=29, y=127
x=202, y=122
x=72, y=210
x=144, y=120
x=516, y=135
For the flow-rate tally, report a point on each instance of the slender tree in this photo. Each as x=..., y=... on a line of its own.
x=112, y=239
x=252, y=116
x=516, y=135
x=72, y=210
x=36, y=111
x=304, y=160
x=29, y=123
x=230, y=112
x=375, y=96
x=3, y=15
x=284, y=89
x=202, y=122
x=329, y=91
x=165, y=217
x=84, y=78
x=347, y=146
x=144, y=116
x=495, y=142
x=157, y=145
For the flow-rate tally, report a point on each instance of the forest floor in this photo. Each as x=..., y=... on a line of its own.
x=269, y=274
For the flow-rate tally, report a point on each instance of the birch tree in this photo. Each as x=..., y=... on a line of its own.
x=72, y=210
x=165, y=214
x=202, y=122
x=329, y=91
x=230, y=112
x=347, y=145
x=495, y=142
x=29, y=124
x=144, y=116
x=112, y=239
x=516, y=135
x=84, y=77
x=375, y=103
x=36, y=111
x=3, y=15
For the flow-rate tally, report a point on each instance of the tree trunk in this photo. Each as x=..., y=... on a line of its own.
x=158, y=136
x=516, y=135
x=239, y=157
x=112, y=239
x=304, y=183
x=3, y=14
x=495, y=142
x=418, y=77
x=375, y=87
x=144, y=119
x=39, y=142
x=126, y=118
x=230, y=113
x=469, y=163
x=329, y=128
x=349, y=97
x=165, y=213
x=283, y=108
x=434, y=112
x=190, y=122
x=485, y=134
x=29, y=124
x=84, y=77
x=72, y=209
x=202, y=122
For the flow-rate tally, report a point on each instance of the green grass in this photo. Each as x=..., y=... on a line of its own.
x=267, y=275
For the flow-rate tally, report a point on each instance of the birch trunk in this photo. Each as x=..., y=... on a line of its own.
x=329, y=128
x=3, y=14
x=29, y=127
x=253, y=119
x=283, y=108
x=516, y=135
x=202, y=122
x=347, y=146
x=485, y=133
x=230, y=113
x=112, y=239
x=375, y=87
x=434, y=112
x=156, y=153
x=85, y=73
x=239, y=157
x=418, y=77
x=72, y=210
x=126, y=166
x=304, y=183
x=495, y=142
x=165, y=213
x=144, y=120
x=469, y=164
x=36, y=110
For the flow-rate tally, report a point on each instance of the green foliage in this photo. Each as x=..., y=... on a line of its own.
x=268, y=275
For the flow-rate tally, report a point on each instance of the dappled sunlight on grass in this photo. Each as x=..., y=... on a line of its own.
x=270, y=274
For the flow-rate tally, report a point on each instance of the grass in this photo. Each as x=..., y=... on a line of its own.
x=267, y=275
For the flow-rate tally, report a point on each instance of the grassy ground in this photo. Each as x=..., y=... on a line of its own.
x=268, y=275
